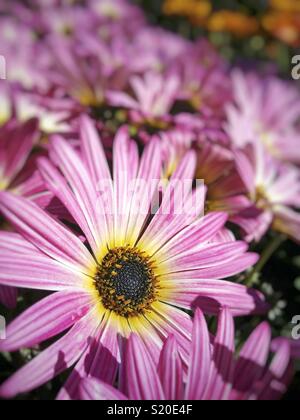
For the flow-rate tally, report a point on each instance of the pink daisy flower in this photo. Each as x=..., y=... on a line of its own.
x=132, y=271
x=206, y=84
x=266, y=110
x=80, y=71
x=154, y=97
x=17, y=104
x=117, y=11
x=214, y=373
x=274, y=191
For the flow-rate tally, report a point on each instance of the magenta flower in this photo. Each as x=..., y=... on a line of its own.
x=119, y=11
x=23, y=106
x=155, y=96
x=133, y=271
x=155, y=49
x=266, y=110
x=206, y=84
x=274, y=191
x=214, y=373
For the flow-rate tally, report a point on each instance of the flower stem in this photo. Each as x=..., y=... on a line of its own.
x=272, y=247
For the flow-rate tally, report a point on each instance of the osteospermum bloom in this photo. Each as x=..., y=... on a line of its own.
x=214, y=372
x=17, y=104
x=132, y=272
x=206, y=84
x=101, y=68
x=155, y=96
x=266, y=110
x=274, y=192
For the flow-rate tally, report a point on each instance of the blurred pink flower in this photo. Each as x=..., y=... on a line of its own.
x=266, y=110
x=274, y=191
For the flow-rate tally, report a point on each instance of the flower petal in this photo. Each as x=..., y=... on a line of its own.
x=199, y=232
x=95, y=390
x=200, y=361
x=125, y=167
x=58, y=185
x=211, y=295
x=141, y=375
x=47, y=318
x=276, y=380
x=170, y=370
x=100, y=360
x=19, y=146
x=221, y=378
x=37, y=272
x=211, y=255
x=51, y=362
x=252, y=361
x=79, y=180
x=44, y=232
x=144, y=189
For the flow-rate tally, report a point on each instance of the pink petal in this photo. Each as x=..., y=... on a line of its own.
x=252, y=361
x=276, y=380
x=20, y=146
x=221, y=378
x=200, y=231
x=143, y=193
x=100, y=361
x=11, y=241
x=93, y=151
x=44, y=232
x=37, y=272
x=47, y=318
x=141, y=375
x=200, y=363
x=82, y=187
x=58, y=185
x=171, y=370
x=169, y=320
x=125, y=167
x=211, y=295
x=211, y=255
x=51, y=362
x=178, y=208
x=245, y=170
x=95, y=390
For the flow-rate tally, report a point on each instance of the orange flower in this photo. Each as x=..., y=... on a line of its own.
x=286, y=5
x=284, y=26
x=195, y=10
x=235, y=22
